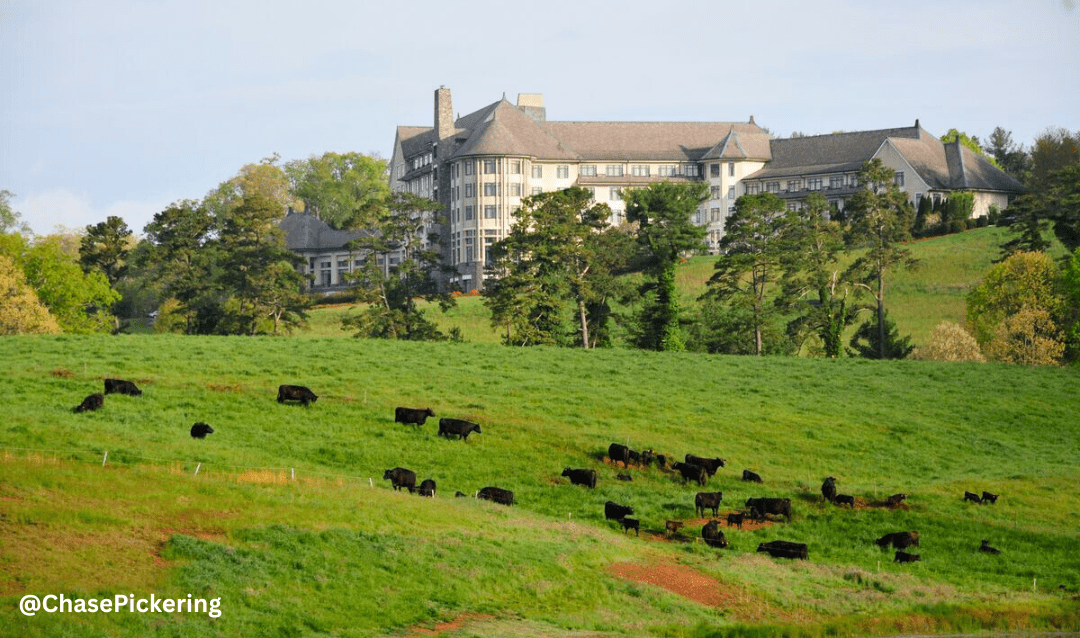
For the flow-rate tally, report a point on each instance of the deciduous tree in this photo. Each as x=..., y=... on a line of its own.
x=105, y=247
x=345, y=190
x=21, y=312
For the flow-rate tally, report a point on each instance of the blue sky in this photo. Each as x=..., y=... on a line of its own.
x=120, y=107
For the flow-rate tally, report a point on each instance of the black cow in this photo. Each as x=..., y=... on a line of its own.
x=295, y=393
x=707, y=500
x=759, y=507
x=673, y=527
x=460, y=494
x=630, y=524
x=828, y=489
x=710, y=465
x=581, y=477
x=620, y=453
x=661, y=461
x=904, y=557
x=971, y=496
x=987, y=497
x=985, y=547
x=691, y=472
x=399, y=477
x=91, y=403
x=121, y=386
x=899, y=540
x=427, y=488
x=785, y=549
x=736, y=519
x=497, y=494
x=713, y=535
x=615, y=511
x=895, y=500
x=647, y=457
x=844, y=499
x=751, y=477
x=458, y=427
x=624, y=477
x=200, y=430
x=415, y=416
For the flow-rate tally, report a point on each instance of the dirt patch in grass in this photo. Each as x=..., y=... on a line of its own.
x=453, y=625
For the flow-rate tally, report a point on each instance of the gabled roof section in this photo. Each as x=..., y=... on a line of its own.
x=507, y=130
x=415, y=139
x=954, y=166
x=674, y=141
x=305, y=232
x=833, y=153
x=741, y=145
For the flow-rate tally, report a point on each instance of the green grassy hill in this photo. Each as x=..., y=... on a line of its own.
x=918, y=300
x=282, y=513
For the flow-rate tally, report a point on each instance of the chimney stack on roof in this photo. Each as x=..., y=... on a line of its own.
x=532, y=104
x=444, y=113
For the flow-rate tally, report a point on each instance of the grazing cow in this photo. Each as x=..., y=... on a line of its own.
x=460, y=494
x=828, y=489
x=971, y=496
x=121, y=386
x=785, y=549
x=581, y=477
x=673, y=527
x=661, y=461
x=987, y=497
x=736, y=519
x=620, y=453
x=647, y=457
x=691, y=472
x=624, y=477
x=497, y=494
x=759, y=507
x=844, y=499
x=710, y=465
x=635, y=457
x=615, y=511
x=899, y=540
x=427, y=488
x=985, y=547
x=457, y=427
x=400, y=477
x=751, y=477
x=895, y=500
x=415, y=416
x=200, y=430
x=295, y=393
x=91, y=403
x=713, y=535
x=707, y=500
x=630, y=524
x=904, y=557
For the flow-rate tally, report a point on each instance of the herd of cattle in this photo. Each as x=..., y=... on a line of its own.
x=692, y=468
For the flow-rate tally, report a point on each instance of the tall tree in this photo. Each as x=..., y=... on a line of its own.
x=757, y=239
x=814, y=286
x=881, y=218
x=550, y=254
x=21, y=312
x=345, y=190
x=9, y=218
x=663, y=212
x=1024, y=280
x=259, y=270
x=105, y=247
x=1010, y=157
x=393, y=290
x=1052, y=151
x=183, y=256
x=266, y=179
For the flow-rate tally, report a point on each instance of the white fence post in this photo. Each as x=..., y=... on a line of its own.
x=105, y=459
x=197, y=469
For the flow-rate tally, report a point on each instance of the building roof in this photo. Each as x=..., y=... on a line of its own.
x=305, y=232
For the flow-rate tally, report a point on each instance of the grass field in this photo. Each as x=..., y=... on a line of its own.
x=282, y=513
x=917, y=300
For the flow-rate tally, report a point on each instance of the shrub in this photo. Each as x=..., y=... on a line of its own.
x=949, y=342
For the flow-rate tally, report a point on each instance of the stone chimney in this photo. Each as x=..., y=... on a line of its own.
x=444, y=114
x=532, y=104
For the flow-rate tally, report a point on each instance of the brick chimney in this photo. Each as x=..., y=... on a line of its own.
x=444, y=114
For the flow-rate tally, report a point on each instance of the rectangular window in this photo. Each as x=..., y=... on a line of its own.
x=468, y=167
x=537, y=171
x=490, y=212
x=515, y=167
x=690, y=170
x=639, y=170
x=836, y=182
x=587, y=170
x=537, y=190
x=814, y=183
x=470, y=190
x=666, y=170
x=731, y=192
x=714, y=191
x=515, y=190
x=854, y=180
x=714, y=170
x=489, y=167
x=714, y=214
x=731, y=169
x=773, y=187
x=468, y=213
x=491, y=188
x=614, y=170
x=615, y=194
x=899, y=179
x=794, y=185
x=562, y=171
x=752, y=188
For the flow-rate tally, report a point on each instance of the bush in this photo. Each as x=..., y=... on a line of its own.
x=949, y=342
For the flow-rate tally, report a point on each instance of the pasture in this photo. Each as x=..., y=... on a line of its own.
x=283, y=514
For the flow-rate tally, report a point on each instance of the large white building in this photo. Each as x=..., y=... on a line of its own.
x=480, y=166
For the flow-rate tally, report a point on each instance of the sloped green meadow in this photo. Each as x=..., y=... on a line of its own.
x=282, y=512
